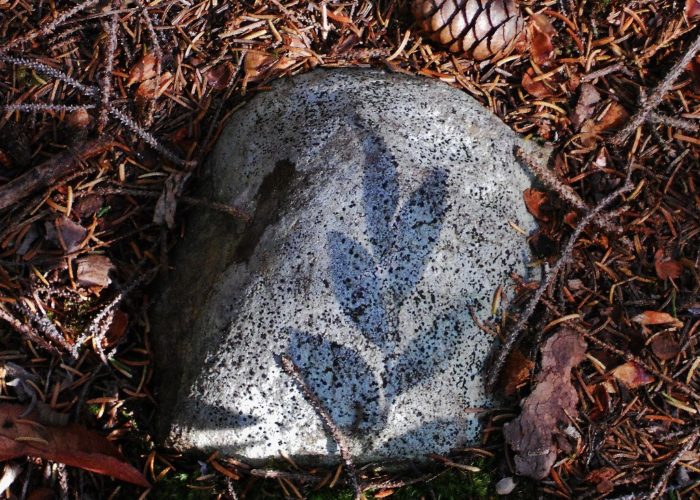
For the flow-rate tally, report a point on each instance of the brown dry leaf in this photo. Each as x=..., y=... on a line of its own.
x=516, y=372
x=219, y=76
x=587, y=100
x=656, y=318
x=665, y=347
x=692, y=8
x=536, y=435
x=80, y=118
x=117, y=328
x=615, y=116
x=72, y=445
x=666, y=268
x=602, y=479
x=632, y=375
x=143, y=70
x=541, y=33
x=532, y=87
x=256, y=65
x=93, y=272
x=69, y=234
x=537, y=203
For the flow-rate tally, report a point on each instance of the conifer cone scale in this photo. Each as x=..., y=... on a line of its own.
x=479, y=28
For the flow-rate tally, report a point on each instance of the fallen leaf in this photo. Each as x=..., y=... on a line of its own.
x=516, y=372
x=219, y=76
x=79, y=119
x=656, y=318
x=117, y=328
x=666, y=268
x=537, y=202
x=532, y=87
x=665, y=347
x=72, y=445
x=143, y=70
x=587, y=100
x=602, y=479
x=602, y=403
x=614, y=117
x=632, y=375
x=256, y=64
x=541, y=33
x=93, y=272
x=70, y=234
x=692, y=8
x=536, y=436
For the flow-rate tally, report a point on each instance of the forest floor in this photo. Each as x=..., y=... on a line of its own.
x=107, y=107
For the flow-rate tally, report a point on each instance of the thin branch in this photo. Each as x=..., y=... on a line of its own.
x=564, y=259
x=652, y=102
x=293, y=371
x=658, y=489
x=50, y=27
x=672, y=121
x=106, y=90
x=27, y=332
x=46, y=173
x=42, y=108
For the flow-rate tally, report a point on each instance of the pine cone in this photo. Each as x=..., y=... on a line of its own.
x=480, y=28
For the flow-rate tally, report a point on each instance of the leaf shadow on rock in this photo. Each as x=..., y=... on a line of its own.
x=341, y=378
x=357, y=287
x=416, y=232
x=427, y=353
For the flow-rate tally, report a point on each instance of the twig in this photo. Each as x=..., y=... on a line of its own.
x=514, y=334
x=38, y=108
x=565, y=192
x=684, y=388
x=293, y=371
x=672, y=121
x=657, y=491
x=278, y=474
x=49, y=28
x=652, y=102
x=106, y=91
x=52, y=169
x=27, y=332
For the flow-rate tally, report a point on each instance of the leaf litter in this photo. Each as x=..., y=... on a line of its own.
x=179, y=69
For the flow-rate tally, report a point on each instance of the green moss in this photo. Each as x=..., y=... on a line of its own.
x=175, y=487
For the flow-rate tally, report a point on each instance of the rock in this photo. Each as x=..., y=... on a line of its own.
x=383, y=208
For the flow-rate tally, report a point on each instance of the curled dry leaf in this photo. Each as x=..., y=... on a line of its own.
x=536, y=436
x=692, y=8
x=632, y=375
x=602, y=479
x=117, y=329
x=614, y=117
x=93, y=272
x=587, y=100
x=537, y=203
x=69, y=234
x=143, y=70
x=536, y=88
x=79, y=119
x=219, y=76
x=666, y=268
x=73, y=445
x=516, y=372
x=665, y=347
x=541, y=33
x=656, y=318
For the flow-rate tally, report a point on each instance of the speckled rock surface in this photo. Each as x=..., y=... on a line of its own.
x=382, y=208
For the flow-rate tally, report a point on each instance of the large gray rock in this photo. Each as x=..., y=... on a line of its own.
x=383, y=207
